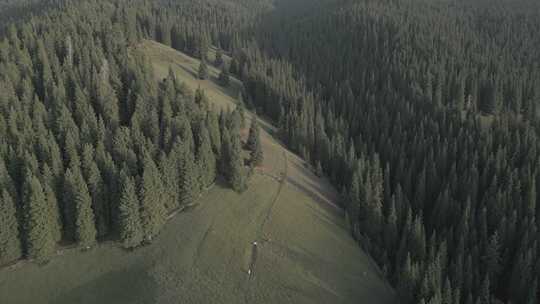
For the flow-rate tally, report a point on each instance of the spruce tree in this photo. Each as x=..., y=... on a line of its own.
x=254, y=143
x=131, y=231
x=96, y=187
x=85, y=229
x=10, y=244
x=224, y=78
x=214, y=132
x=203, y=70
x=153, y=211
x=169, y=167
x=39, y=241
x=205, y=157
x=54, y=213
x=241, y=107
x=189, y=185
x=492, y=258
x=219, y=58
x=235, y=163
x=319, y=169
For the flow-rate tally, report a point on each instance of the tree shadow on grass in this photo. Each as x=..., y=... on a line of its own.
x=130, y=286
x=322, y=203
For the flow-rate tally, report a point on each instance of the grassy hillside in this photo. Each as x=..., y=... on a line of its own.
x=304, y=253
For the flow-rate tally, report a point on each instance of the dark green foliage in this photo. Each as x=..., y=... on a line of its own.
x=234, y=162
x=153, y=211
x=219, y=58
x=78, y=197
x=97, y=190
x=39, y=240
x=206, y=159
x=214, y=132
x=54, y=213
x=254, y=143
x=241, y=108
x=319, y=170
x=189, y=184
x=131, y=230
x=10, y=245
x=224, y=77
x=203, y=70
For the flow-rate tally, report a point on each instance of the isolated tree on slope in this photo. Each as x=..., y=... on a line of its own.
x=153, y=212
x=131, y=231
x=10, y=245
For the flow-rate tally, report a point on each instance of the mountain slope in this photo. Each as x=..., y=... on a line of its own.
x=304, y=253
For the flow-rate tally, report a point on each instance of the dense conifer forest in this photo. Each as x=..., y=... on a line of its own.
x=424, y=114
x=92, y=147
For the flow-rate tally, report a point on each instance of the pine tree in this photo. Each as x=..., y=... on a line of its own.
x=214, y=132
x=485, y=294
x=319, y=169
x=492, y=258
x=219, y=58
x=189, y=185
x=224, y=78
x=96, y=187
x=131, y=231
x=231, y=160
x=10, y=244
x=39, y=241
x=169, y=167
x=205, y=157
x=54, y=213
x=241, y=107
x=153, y=212
x=85, y=229
x=254, y=143
x=203, y=70
x=253, y=136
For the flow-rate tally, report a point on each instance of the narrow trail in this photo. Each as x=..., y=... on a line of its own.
x=259, y=235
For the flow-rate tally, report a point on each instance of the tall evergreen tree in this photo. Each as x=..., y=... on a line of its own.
x=254, y=143
x=203, y=70
x=39, y=241
x=131, y=231
x=54, y=213
x=205, y=157
x=85, y=229
x=224, y=77
x=96, y=187
x=189, y=185
x=10, y=245
x=219, y=58
x=235, y=163
x=153, y=211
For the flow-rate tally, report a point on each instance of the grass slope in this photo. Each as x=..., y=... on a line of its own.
x=304, y=254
